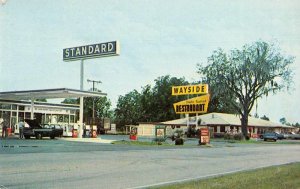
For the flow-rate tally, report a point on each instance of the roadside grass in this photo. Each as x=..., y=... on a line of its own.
x=229, y=142
x=253, y=141
x=164, y=144
x=141, y=143
x=275, y=177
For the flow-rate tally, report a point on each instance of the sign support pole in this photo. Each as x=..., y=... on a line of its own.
x=89, y=51
x=81, y=100
x=188, y=120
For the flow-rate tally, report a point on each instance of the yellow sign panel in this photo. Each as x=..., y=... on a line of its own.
x=194, y=105
x=190, y=89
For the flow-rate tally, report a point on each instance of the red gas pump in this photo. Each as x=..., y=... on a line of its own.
x=94, y=131
x=74, y=133
x=8, y=131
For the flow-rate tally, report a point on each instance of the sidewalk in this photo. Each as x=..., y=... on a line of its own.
x=94, y=140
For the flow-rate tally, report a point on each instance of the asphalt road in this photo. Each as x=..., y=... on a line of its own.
x=64, y=164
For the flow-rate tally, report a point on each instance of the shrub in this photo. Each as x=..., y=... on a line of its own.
x=218, y=135
x=179, y=141
x=231, y=136
x=228, y=136
x=247, y=137
x=159, y=139
x=238, y=136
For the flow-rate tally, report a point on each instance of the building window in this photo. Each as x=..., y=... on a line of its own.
x=215, y=129
x=14, y=107
x=60, y=118
x=222, y=129
x=66, y=118
x=72, y=119
x=21, y=107
x=5, y=106
x=27, y=115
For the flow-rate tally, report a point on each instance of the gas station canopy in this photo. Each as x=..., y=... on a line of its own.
x=48, y=94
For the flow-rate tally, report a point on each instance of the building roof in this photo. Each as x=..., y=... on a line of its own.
x=48, y=93
x=225, y=119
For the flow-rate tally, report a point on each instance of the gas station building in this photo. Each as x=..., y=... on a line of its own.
x=16, y=106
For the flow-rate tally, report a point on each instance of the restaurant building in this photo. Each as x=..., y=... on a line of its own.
x=218, y=123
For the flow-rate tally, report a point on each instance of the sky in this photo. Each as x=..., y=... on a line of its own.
x=157, y=38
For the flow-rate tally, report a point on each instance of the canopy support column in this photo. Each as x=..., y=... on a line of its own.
x=32, y=108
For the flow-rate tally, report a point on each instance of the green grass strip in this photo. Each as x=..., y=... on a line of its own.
x=275, y=177
x=140, y=143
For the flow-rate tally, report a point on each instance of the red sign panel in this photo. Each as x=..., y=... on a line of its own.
x=204, y=136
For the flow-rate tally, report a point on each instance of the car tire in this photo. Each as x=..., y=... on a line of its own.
x=39, y=136
x=261, y=136
x=27, y=137
x=52, y=137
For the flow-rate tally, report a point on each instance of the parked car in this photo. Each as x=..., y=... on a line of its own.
x=35, y=129
x=286, y=135
x=295, y=136
x=279, y=135
x=270, y=136
x=291, y=135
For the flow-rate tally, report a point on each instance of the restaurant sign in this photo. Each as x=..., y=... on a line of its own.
x=194, y=105
x=190, y=89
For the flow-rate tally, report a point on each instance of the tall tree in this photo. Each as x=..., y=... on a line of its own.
x=283, y=121
x=101, y=107
x=247, y=74
x=128, y=109
x=163, y=100
x=70, y=101
x=152, y=104
x=265, y=118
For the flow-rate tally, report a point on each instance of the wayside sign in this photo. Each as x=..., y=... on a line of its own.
x=190, y=89
x=91, y=51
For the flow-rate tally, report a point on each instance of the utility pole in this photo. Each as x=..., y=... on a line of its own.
x=93, y=89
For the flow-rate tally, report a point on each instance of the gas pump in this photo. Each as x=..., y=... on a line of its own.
x=75, y=131
x=67, y=130
x=94, y=131
x=86, y=131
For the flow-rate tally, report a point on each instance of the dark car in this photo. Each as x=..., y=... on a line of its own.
x=279, y=135
x=270, y=136
x=37, y=131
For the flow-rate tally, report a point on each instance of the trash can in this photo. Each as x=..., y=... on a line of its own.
x=133, y=134
x=132, y=137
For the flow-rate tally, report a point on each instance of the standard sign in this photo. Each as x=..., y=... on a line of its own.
x=190, y=89
x=194, y=105
x=91, y=51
